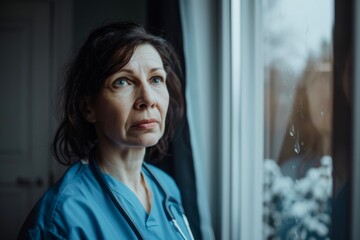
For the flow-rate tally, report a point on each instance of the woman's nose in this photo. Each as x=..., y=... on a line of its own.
x=146, y=98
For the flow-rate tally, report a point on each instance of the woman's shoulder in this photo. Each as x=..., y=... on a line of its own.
x=60, y=201
x=72, y=180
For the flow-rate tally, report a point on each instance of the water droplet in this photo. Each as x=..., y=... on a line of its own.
x=322, y=113
x=292, y=130
x=297, y=147
x=302, y=143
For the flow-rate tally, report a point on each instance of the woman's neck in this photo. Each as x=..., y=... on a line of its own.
x=125, y=165
x=122, y=163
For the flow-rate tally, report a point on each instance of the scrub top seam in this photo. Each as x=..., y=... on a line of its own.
x=50, y=223
x=61, y=196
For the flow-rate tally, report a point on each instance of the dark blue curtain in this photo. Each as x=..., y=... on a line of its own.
x=163, y=19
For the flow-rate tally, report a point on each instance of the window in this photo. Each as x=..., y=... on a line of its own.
x=278, y=91
x=282, y=92
x=298, y=63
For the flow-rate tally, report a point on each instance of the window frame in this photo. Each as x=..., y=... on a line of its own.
x=356, y=131
x=242, y=122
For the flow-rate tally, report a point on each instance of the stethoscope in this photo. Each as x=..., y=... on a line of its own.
x=166, y=202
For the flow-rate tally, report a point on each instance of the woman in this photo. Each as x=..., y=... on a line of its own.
x=120, y=93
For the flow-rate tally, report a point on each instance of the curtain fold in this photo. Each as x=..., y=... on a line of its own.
x=163, y=19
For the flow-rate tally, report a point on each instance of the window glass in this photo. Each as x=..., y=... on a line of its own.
x=298, y=63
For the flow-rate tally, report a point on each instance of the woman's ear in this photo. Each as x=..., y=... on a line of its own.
x=87, y=110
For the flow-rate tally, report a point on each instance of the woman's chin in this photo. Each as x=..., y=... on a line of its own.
x=147, y=141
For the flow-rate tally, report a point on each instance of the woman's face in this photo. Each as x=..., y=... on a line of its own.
x=131, y=108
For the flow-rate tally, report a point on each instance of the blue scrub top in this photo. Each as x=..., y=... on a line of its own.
x=78, y=208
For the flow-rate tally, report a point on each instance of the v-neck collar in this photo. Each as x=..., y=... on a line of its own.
x=126, y=194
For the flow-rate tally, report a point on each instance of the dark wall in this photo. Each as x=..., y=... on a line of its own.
x=90, y=14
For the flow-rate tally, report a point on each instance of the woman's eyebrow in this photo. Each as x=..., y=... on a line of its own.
x=151, y=70
x=127, y=70
x=156, y=69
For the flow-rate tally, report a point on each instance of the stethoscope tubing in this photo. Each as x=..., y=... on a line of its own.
x=100, y=178
x=168, y=212
x=167, y=199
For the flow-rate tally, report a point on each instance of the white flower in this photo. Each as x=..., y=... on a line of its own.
x=326, y=161
x=302, y=208
x=315, y=225
x=282, y=185
x=305, y=200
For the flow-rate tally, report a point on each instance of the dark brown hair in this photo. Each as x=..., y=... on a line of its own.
x=107, y=50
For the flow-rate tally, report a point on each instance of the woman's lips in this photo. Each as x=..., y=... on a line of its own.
x=146, y=124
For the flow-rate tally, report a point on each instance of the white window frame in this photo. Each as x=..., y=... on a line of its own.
x=242, y=137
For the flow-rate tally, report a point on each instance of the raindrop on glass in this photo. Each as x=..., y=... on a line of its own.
x=297, y=147
x=292, y=130
x=322, y=113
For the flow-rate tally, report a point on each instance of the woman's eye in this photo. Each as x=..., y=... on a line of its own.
x=156, y=80
x=121, y=82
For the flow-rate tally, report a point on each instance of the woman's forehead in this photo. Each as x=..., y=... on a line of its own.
x=144, y=56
